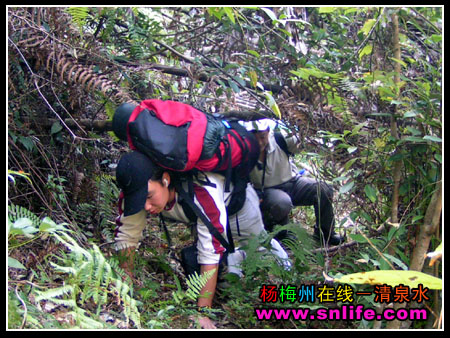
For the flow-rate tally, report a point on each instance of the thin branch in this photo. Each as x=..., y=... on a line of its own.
x=365, y=40
x=38, y=89
x=188, y=59
x=427, y=21
x=204, y=77
x=335, y=248
x=25, y=313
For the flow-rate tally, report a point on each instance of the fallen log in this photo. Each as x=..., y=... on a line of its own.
x=106, y=125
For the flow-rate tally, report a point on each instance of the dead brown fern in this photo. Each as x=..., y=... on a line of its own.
x=47, y=35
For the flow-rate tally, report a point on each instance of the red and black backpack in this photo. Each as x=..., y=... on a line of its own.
x=181, y=138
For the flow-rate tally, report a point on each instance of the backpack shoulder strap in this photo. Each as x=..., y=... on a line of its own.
x=279, y=138
x=229, y=246
x=162, y=224
x=190, y=214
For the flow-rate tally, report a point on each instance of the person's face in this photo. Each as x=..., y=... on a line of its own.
x=263, y=139
x=157, y=196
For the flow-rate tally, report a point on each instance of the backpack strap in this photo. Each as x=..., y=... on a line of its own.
x=227, y=155
x=264, y=171
x=279, y=138
x=240, y=174
x=229, y=246
x=190, y=214
x=162, y=224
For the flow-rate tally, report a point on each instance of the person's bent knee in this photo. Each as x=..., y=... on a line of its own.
x=278, y=204
x=326, y=191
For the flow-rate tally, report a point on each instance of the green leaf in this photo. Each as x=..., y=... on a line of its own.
x=400, y=62
x=239, y=80
x=47, y=224
x=253, y=78
x=253, y=52
x=273, y=105
x=371, y=193
x=410, y=113
x=412, y=139
x=367, y=50
x=270, y=13
x=358, y=238
x=233, y=86
x=350, y=10
x=27, y=142
x=350, y=163
x=432, y=138
x=22, y=223
x=216, y=11
x=436, y=38
x=324, y=10
x=341, y=178
x=347, y=187
x=14, y=263
x=56, y=128
x=23, y=226
x=276, y=110
x=299, y=74
x=305, y=73
x=392, y=277
x=229, y=12
x=367, y=26
x=79, y=15
x=396, y=261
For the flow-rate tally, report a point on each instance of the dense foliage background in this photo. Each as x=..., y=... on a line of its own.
x=360, y=87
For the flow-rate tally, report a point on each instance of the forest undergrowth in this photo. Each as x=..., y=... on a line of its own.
x=360, y=87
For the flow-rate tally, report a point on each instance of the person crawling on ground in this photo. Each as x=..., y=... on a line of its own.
x=148, y=188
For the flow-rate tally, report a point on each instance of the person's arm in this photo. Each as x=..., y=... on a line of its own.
x=207, y=295
x=208, y=291
x=126, y=261
x=127, y=238
x=210, y=199
x=293, y=143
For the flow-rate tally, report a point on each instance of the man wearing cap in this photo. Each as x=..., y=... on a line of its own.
x=148, y=188
x=276, y=178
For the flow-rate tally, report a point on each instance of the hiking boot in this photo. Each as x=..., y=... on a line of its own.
x=329, y=240
x=285, y=234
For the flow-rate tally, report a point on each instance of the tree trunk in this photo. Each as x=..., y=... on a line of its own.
x=426, y=231
x=395, y=324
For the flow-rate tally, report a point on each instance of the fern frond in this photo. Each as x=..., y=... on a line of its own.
x=353, y=87
x=116, y=271
x=73, y=246
x=90, y=277
x=107, y=233
x=79, y=15
x=16, y=211
x=64, y=269
x=196, y=282
x=123, y=290
x=52, y=294
x=99, y=271
x=85, y=322
x=134, y=314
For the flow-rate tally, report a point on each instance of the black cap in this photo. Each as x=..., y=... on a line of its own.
x=132, y=173
x=120, y=120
